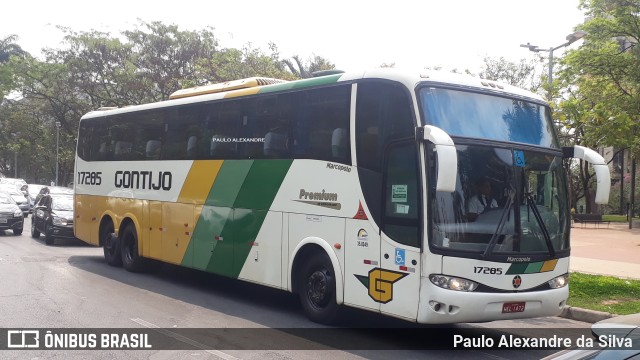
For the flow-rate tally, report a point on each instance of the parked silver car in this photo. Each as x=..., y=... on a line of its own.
x=17, y=195
x=10, y=214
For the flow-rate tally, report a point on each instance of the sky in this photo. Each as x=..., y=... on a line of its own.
x=352, y=34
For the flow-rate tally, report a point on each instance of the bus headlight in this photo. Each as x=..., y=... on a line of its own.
x=59, y=221
x=560, y=281
x=453, y=283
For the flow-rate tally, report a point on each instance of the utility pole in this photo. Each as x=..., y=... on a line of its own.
x=633, y=191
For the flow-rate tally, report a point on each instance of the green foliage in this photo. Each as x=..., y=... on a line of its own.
x=603, y=76
x=604, y=293
x=94, y=69
x=521, y=74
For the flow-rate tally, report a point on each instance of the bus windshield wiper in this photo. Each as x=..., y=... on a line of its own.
x=503, y=220
x=536, y=213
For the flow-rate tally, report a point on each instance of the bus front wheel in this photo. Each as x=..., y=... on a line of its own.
x=110, y=245
x=131, y=260
x=317, y=289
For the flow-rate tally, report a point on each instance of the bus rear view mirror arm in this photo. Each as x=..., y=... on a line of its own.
x=603, y=177
x=446, y=153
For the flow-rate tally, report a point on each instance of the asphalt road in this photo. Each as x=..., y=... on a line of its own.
x=69, y=285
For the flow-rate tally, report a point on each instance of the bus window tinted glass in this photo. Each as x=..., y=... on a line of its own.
x=322, y=123
x=474, y=115
x=383, y=114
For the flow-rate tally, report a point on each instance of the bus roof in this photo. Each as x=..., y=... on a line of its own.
x=251, y=86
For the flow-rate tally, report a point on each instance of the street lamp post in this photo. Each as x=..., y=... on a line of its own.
x=571, y=38
x=57, y=149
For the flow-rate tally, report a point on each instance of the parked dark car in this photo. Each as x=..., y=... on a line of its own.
x=53, y=216
x=10, y=214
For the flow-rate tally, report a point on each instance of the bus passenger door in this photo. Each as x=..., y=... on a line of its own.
x=399, y=276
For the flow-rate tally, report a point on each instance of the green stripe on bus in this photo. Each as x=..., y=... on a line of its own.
x=517, y=269
x=225, y=233
x=228, y=182
x=261, y=184
x=534, y=268
x=207, y=235
x=301, y=83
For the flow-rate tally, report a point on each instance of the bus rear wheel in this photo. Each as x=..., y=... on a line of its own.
x=317, y=289
x=131, y=260
x=110, y=245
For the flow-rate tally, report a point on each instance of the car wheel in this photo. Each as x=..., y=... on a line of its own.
x=131, y=260
x=17, y=231
x=317, y=289
x=48, y=237
x=34, y=232
x=110, y=245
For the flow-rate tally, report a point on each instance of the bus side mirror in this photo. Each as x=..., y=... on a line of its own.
x=446, y=153
x=603, y=177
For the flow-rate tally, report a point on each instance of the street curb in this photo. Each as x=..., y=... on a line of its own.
x=585, y=315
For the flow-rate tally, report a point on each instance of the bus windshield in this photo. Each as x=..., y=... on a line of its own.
x=476, y=115
x=507, y=202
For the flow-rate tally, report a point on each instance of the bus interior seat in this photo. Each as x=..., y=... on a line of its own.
x=122, y=149
x=220, y=148
x=275, y=144
x=339, y=144
x=192, y=146
x=103, y=151
x=153, y=149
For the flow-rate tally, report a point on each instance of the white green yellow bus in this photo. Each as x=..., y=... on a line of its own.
x=349, y=189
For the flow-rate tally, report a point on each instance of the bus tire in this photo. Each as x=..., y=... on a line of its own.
x=110, y=245
x=131, y=260
x=317, y=289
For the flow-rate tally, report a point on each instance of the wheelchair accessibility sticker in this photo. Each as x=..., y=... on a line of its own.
x=518, y=158
x=400, y=257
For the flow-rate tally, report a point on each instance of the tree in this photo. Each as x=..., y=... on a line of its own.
x=600, y=90
x=521, y=74
x=605, y=73
x=95, y=69
x=303, y=70
x=9, y=48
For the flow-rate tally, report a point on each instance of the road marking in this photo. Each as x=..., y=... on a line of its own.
x=185, y=339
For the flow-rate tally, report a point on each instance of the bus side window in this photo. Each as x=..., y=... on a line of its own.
x=401, y=199
x=383, y=115
x=322, y=124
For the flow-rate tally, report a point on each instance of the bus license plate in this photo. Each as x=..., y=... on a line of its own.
x=3, y=221
x=513, y=307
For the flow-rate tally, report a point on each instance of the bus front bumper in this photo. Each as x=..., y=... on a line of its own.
x=443, y=306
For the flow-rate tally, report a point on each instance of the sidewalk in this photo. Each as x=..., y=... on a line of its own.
x=611, y=251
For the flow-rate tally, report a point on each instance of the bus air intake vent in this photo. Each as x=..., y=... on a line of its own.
x=225, y=86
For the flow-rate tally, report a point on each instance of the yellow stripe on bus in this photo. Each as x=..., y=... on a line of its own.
x=549, y=265
x=199, y=181
x=242, y=92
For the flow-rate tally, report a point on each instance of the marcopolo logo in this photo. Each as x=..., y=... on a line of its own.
x=320, y=198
